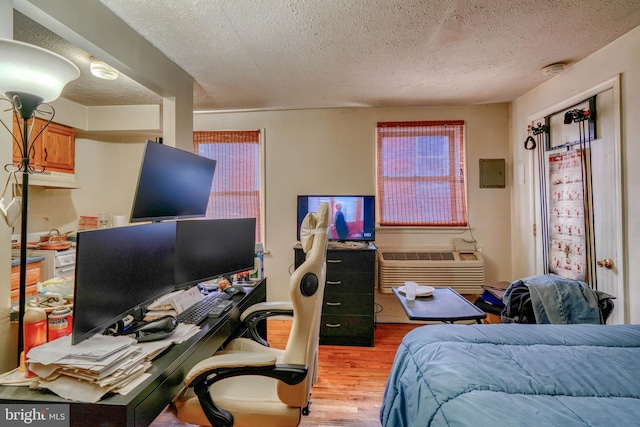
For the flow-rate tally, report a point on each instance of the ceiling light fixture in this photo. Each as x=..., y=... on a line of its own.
x=554, y=69
x=102, y=70
x=29, y=77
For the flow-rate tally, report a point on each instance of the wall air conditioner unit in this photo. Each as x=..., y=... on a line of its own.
x=464, y=272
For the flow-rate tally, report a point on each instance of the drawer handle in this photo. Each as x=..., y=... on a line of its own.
x=333, y=304
x=332, y=325
x=334, y=261
x=337, y=282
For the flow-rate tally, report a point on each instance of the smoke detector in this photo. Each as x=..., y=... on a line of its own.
x=554, y=69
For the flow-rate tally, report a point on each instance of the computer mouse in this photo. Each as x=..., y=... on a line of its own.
x=234, y=289
x=161, y=328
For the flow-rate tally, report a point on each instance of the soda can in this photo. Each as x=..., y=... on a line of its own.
x=59, y=323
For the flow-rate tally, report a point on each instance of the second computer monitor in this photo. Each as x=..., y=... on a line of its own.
x=206, y=249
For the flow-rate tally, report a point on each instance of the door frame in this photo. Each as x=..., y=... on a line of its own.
x=613, y=83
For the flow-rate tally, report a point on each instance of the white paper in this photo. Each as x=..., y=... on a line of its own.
x=95, y=348
x=186, y=299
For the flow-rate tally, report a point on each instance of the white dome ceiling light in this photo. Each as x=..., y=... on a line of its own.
x=102, y=70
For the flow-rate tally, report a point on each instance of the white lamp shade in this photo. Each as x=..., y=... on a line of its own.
x=25, y=68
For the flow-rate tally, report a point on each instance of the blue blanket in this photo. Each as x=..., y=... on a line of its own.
x=515, y=375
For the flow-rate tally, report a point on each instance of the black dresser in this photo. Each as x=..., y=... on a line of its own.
x=349, y=297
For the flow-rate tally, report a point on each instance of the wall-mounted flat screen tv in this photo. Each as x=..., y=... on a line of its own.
x=352, y=217
x=172, y=184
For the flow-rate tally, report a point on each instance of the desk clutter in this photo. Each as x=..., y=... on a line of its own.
x=113, y=362
x=99, y=365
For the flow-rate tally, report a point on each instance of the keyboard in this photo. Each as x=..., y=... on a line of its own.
x=199, y=311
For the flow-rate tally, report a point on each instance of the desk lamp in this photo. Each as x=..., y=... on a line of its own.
x=29, y=77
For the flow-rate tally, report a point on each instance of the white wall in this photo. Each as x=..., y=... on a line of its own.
x=333, y=151
x=620, y=57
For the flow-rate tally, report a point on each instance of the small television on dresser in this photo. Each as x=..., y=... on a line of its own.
x=352, y=217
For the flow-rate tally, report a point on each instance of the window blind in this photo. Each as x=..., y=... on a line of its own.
x=235, y=192
x=421, y=173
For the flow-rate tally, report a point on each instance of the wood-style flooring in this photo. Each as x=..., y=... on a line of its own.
x=351, y=380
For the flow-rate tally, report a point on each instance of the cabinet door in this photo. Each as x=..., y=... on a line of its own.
x=34, y=275
x=54, y=149
x=34, y=147
x=58, y=148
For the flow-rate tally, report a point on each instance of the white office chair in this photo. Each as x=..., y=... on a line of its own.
x=249, y=384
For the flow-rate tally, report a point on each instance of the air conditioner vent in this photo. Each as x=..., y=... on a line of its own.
x=412, y=256
x=463, y=272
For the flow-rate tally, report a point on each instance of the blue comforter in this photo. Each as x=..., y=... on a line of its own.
x=515, y=375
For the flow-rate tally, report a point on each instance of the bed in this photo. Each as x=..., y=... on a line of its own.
x=515, y=374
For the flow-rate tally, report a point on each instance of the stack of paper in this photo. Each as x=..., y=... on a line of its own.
x=99, y=365
x=89, y=370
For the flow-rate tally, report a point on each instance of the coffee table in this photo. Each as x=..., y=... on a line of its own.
x=445, y=305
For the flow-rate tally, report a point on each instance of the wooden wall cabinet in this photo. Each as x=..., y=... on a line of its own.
x=54, y=149
x=348, y=311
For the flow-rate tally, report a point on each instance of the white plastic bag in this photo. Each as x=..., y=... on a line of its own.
x=11, y=209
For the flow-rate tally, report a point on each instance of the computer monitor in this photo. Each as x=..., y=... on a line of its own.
x=172, y=184
x=119, y=270
x=207, y=249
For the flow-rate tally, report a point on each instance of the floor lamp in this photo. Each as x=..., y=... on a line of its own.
x=29, y=77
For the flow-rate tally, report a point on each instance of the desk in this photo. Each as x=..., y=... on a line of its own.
x=143, y=404
x=446, y=305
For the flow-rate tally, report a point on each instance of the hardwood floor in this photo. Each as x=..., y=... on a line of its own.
x=351, y=380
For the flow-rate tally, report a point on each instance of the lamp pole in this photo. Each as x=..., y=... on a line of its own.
x=29, y=76
x=24, y=166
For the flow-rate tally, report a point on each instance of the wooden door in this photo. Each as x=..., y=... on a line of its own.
x=608, y=256
x=607, y=205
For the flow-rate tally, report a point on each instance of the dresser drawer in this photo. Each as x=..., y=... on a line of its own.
x=346, y=283
x=351, y=260
x=343, y=304
x=346, y=326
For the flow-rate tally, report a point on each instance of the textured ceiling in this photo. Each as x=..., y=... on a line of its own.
x=289, y=54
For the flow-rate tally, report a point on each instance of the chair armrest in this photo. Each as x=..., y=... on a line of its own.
x=228, y=361
x=217, y=368
x=261, y=311
x=277, y=307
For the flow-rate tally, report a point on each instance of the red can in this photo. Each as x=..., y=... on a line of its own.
x=59, y=323
x=35, y=332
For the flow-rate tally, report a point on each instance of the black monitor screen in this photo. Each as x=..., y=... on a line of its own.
x=119, y=270
x=206, y=249
x=172, y=184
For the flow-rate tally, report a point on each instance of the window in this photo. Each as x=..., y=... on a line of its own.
x=235, y=192
x=421, y=173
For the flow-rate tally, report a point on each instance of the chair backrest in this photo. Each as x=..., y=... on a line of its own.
x=306, y=289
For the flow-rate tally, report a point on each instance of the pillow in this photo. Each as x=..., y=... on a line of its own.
x=306, y=236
